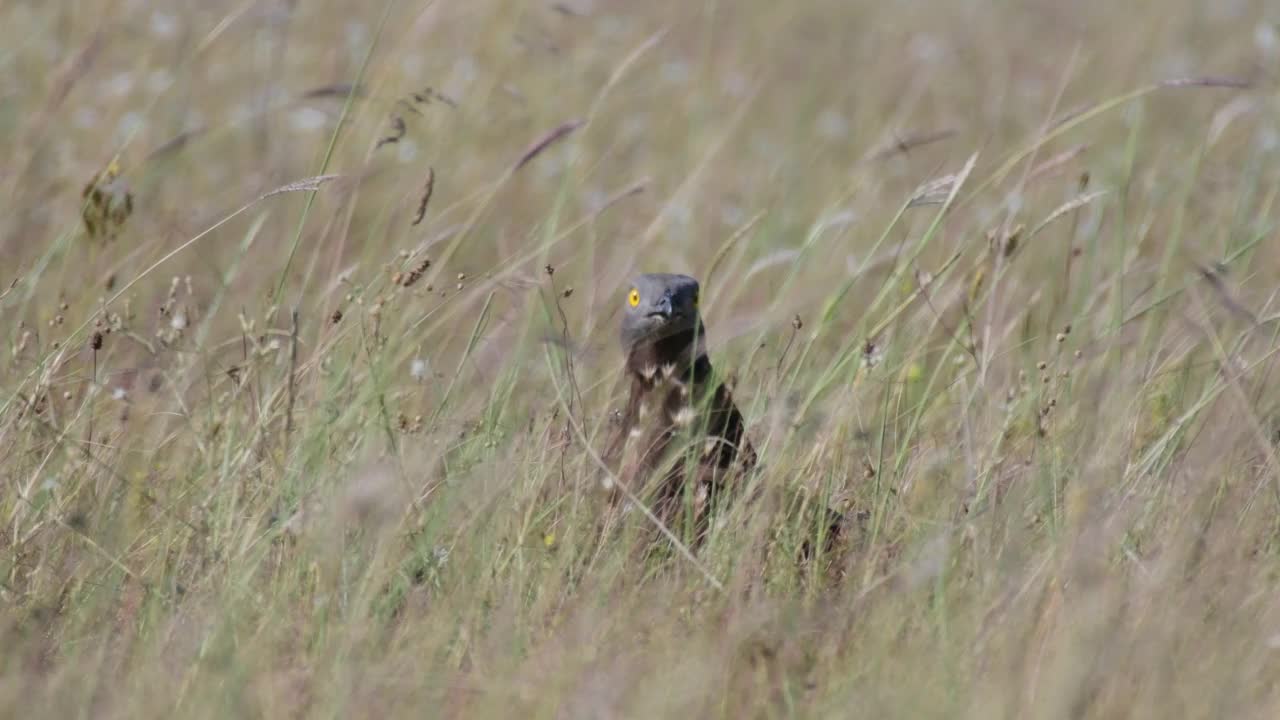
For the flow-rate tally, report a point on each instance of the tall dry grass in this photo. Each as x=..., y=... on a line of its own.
x=309, y=308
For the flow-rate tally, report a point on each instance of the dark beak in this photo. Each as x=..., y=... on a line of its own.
x=662, y=309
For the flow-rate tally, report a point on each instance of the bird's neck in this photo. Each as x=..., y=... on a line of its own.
x=679, y=352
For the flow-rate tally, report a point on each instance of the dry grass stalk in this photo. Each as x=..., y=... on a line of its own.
x=539, y=146
x=427, y=188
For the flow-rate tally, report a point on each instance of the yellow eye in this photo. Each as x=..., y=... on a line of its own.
x=634, y=297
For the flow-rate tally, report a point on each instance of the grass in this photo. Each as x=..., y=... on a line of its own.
x=310, y=318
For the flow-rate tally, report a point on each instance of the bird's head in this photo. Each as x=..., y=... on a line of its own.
x=658, y=305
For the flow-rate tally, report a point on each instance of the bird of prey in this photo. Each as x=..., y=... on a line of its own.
x=680, y=427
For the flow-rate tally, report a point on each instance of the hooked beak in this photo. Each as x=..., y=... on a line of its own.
x=662, y=309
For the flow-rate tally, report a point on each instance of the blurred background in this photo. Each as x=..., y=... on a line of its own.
x=310, y=314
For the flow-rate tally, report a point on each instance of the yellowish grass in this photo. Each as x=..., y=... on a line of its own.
x=310, y=310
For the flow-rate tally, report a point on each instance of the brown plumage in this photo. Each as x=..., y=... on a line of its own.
x=681, y=442
x=679, y=422
x=680, y=430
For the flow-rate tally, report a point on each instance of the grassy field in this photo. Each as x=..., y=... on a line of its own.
x=309, y=314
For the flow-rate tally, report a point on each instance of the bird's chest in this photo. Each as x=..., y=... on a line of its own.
x=668, y=404
x=665, y=419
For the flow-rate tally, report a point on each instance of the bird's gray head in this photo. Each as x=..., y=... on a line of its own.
x=659, y=305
